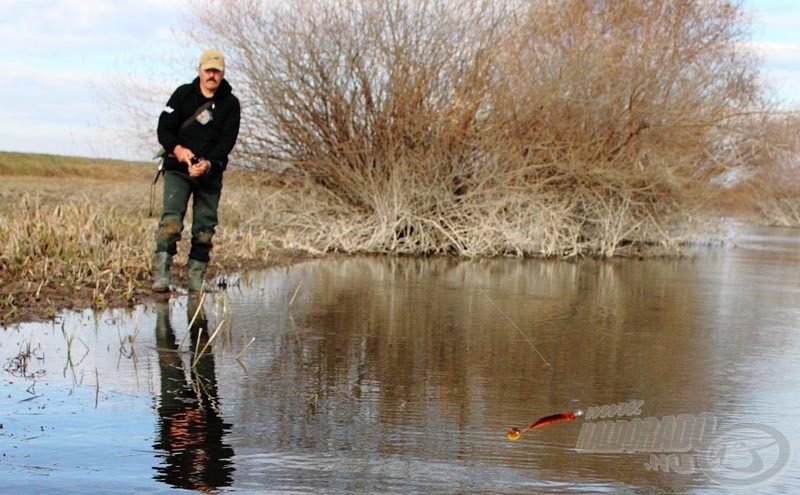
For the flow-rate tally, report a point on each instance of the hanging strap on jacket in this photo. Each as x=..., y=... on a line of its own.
x=162, y=153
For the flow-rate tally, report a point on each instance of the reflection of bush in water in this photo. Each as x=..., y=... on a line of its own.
x=449, y=321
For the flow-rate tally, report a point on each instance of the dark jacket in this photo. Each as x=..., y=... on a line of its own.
x=213, y=140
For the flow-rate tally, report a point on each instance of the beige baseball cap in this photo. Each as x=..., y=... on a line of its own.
x=212, y=59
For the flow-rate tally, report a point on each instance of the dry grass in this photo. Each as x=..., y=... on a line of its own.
x=75, y=232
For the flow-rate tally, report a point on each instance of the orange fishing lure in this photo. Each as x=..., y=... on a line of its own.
x=514, y=433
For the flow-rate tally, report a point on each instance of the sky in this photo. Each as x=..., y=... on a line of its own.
x=62, y=59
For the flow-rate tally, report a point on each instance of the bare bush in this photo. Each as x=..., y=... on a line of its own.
x=483, y=127
x=771, y=180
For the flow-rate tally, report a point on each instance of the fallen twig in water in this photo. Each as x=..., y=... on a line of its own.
x=194, y=318
x=197, y=356
x=295, y=293
x=245, y=348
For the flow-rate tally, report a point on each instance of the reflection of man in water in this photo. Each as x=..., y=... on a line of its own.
x=191, y=428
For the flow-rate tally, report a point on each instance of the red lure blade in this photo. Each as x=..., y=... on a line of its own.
x=553, y=418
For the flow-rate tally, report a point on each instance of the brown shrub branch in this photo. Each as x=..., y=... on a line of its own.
x=485, y=128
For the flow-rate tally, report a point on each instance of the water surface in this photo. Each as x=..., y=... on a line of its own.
x=375, y=375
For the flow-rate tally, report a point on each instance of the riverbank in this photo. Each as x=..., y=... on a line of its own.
x=77, y=233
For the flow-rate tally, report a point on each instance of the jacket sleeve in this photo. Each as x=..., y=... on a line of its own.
x=229, y=134
x=169, y=122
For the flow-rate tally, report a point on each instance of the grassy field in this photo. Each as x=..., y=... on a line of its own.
x=76, y=233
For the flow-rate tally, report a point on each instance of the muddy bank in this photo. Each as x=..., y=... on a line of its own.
x=32, y=303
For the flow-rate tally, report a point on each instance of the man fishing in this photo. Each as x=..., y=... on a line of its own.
x=197, y=129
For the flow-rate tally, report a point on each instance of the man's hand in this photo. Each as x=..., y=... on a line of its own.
x=200, y=168
x=184, y=155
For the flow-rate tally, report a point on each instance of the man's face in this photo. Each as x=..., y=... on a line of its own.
x=210, y=79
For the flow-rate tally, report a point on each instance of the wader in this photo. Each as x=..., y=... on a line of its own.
x=205, y=192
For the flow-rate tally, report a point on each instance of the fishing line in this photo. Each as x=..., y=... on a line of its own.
x=524, y=335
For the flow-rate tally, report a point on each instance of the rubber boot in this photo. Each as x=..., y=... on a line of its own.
x=161, y=281
x=197, y=274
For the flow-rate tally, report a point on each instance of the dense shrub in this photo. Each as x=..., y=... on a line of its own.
x=485, y=127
